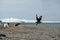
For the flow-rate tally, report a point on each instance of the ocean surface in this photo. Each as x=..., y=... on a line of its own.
x=42, y=24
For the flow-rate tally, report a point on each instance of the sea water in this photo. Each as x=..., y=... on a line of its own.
x=42, y=24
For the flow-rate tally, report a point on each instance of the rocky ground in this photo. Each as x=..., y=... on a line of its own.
x=30, y=33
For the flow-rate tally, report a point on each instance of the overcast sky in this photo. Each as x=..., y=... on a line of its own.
x=49, y=9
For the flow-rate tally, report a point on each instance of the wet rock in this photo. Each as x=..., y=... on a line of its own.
x=2, y=35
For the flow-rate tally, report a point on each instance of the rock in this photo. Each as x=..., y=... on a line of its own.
x=2, y=35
